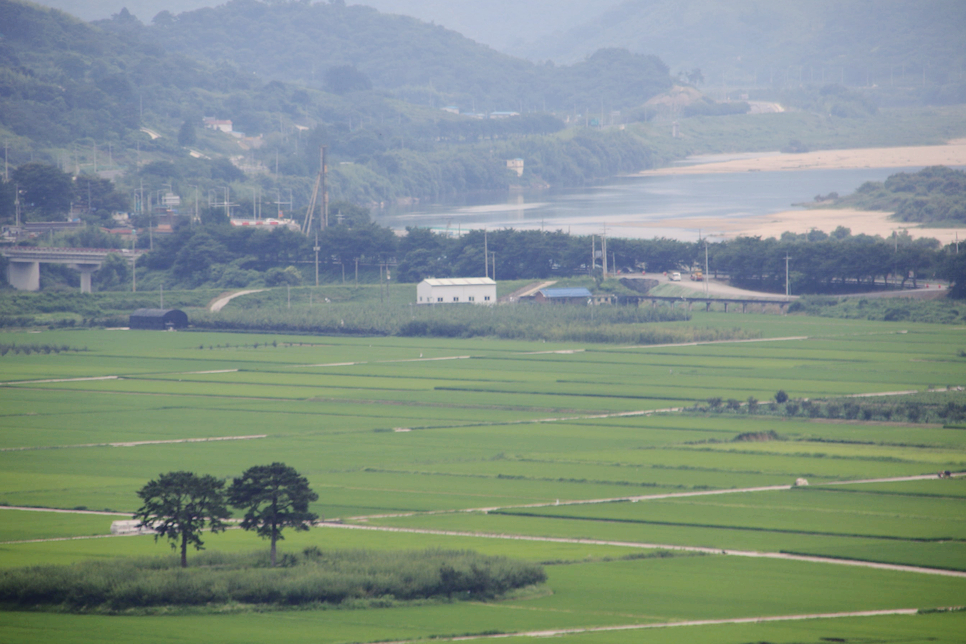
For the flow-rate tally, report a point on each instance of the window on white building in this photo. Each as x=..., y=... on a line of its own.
x=456, y=299
x=472, y=299
x=486, y=298
x=439, y=299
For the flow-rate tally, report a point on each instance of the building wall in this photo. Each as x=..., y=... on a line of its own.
x=457, y=294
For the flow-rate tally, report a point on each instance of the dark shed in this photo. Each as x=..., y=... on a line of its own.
x=158, y=319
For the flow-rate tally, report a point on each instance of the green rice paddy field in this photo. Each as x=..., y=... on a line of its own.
x=564, y=454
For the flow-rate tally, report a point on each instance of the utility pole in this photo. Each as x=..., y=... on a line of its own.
x=316, y=248
x=486, y=255
x=895, y=260
x=494, y=266
x=786, y=275
x=706, y=278
x=603, y=254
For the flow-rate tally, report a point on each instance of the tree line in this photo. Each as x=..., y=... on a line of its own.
x=215, y=254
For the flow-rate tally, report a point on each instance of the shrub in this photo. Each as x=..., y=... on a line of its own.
x=311, y=577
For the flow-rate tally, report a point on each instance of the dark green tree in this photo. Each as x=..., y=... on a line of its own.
x=186, y=135
x=44, y=189
x=180, y=505
x=781, y=396
x=274, y=497
x=346, y=78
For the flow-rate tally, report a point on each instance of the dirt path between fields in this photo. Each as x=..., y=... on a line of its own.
x=139, y=443
x=220, y=303
x=651, y=497
x=699, y=622
x=655, y=546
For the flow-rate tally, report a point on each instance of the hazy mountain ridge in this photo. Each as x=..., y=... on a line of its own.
x=855, y=42
x=421, y=62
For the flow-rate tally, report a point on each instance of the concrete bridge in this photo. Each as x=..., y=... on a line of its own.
x=688, y=302
x=23, y=270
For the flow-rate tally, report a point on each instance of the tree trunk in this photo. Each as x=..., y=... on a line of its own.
x=274, y=539
x=184, y=549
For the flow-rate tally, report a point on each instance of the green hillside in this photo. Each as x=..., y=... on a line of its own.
x=422, y=62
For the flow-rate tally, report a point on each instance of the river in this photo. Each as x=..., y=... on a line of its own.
x=629, y=206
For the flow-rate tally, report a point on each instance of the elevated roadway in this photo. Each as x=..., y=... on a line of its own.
x=23, y=268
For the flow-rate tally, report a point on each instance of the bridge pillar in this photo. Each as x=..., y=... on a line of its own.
x=784, y=308
x=707, y=306
x=690, y=305
x=763, y=305
x=24, y=276
x=726, y=307
x=744, y=305
x=85, y=275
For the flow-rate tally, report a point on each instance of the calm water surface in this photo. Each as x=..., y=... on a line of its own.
x=619, y=207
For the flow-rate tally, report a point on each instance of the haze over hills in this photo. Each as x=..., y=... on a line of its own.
x=424, y=63
x=510, y=26
x=786, y=42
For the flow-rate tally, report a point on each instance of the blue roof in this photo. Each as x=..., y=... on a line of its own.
x=565, y=292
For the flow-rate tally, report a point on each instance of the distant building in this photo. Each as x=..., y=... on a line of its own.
x=158, y=319
x=217, y=124
x=563, y=295
x=503, y=115
x=456, y=290
x=271, y=223
x=516, y=165
x=452, y=109
x=124, y=232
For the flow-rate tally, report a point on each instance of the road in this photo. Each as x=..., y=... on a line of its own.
x=714, y=288
x=698, y=622
x=220, y=303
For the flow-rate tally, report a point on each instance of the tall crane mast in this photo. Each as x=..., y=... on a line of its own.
x=316, y=191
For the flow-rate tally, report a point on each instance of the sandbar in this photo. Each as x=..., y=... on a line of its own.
x=952, y=153
x=860, y=222
x=868, y=222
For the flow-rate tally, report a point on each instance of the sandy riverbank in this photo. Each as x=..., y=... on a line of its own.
x=827, y=219
x=953, y=154
x=868, y=222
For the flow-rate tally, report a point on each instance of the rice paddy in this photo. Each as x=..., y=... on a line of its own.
x=565, y=454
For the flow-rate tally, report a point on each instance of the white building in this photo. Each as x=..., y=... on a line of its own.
x=456, y=290
x=222, y=125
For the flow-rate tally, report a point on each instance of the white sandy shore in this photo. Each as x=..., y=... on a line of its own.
x=826, y=219
x=868, y=222
x=952, y=154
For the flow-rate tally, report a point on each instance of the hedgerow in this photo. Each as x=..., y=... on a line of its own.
x=312, y=577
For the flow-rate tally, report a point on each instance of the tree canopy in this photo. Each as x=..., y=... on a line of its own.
x=274, y=497
x=179, y=506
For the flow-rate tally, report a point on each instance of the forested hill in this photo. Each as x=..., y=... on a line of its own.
x=424, y=63
x=891, y=44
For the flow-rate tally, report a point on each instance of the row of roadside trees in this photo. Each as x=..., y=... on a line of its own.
x=180, y=506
